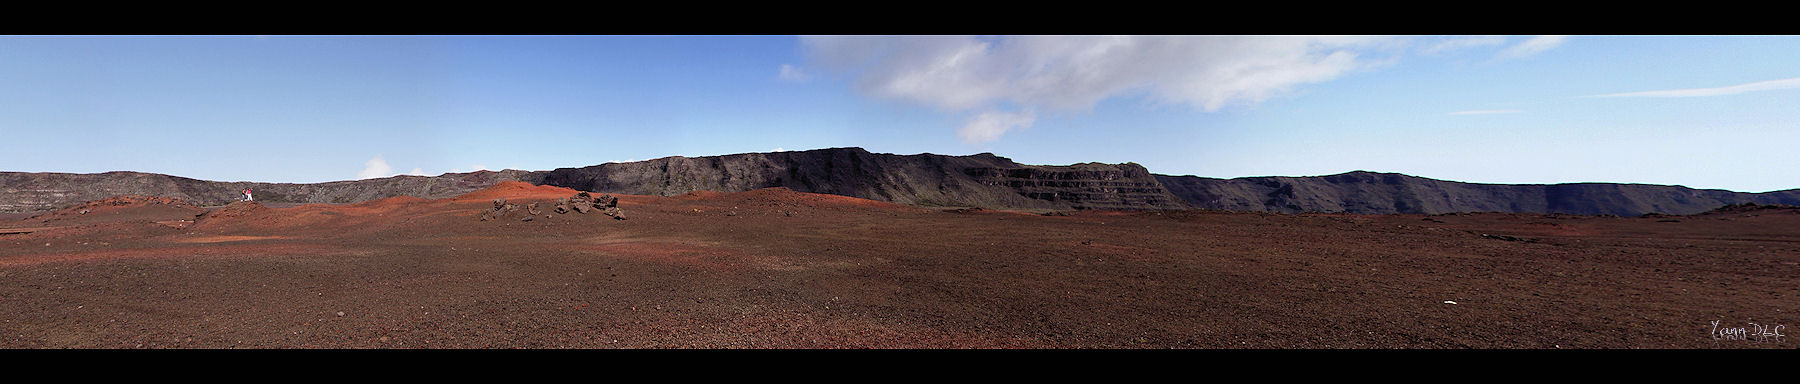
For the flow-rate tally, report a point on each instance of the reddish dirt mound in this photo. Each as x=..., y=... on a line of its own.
x=517, y=190
x=701, y=194
x=120, y=209
x=787, y=198
x=371, y=207
x=118, y=203
x=391, y=202
x=232, y=215
x=237, y=209
x=323, y=218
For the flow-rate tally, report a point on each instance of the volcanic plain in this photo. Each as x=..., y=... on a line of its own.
x=775, y=268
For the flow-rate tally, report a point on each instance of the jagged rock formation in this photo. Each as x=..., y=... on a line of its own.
x=981, y=180
x=1378, y=193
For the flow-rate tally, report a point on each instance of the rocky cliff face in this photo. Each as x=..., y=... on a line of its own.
x=20, y=191
x=1082, y=186
x=982, y=180
x=1377, y=193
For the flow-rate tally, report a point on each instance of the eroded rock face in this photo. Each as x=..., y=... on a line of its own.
x=982, y=180
x=1384, y=193
x=37, y=191
x=1083, y=186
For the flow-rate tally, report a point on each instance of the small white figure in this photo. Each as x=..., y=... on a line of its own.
x=247, y=194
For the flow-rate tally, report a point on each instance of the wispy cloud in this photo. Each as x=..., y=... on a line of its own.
x=988, y=126
x=793, y=73
x=1487, y=112
x=1457, y=43
x=1771, y=85
x=1533, y=46
x=1003, y=76
x=378, y=167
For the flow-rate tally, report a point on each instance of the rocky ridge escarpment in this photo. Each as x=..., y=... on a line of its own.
x=1383, y=193
x=1083, y=186
x=980, y=180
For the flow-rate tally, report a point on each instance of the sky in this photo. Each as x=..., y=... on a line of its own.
x=1710, y=112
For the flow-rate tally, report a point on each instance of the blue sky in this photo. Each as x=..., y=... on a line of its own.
x=1699, y=111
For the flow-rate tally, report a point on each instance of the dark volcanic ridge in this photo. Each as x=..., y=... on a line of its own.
x=1383, y=193
x=981, y=180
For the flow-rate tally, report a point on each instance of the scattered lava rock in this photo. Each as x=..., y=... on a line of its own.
x=1751, y=207
x=580, y=203
x=1508, y=238
x=117, y=201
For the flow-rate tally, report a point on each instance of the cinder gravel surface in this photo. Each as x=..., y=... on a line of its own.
x=779, y=269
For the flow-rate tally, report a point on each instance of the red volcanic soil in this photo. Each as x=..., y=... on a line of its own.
x=774, y=268
x=517, y=190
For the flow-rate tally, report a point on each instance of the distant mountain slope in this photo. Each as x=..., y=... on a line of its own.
x=1371, y=192
x=982, y=180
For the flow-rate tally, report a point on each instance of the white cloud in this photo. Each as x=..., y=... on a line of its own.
x=1770, y=85
x=961, y=74
x=375, y=168
x=1456, y=43
x=1487, y=112
x=988, y=126
x=778, y=149
x=1532, y=46
x=792, y=73
x=417, y=172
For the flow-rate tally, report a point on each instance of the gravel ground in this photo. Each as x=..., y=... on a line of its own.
x=780, y=269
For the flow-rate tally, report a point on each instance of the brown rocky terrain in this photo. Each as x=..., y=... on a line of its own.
x=778, y=268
